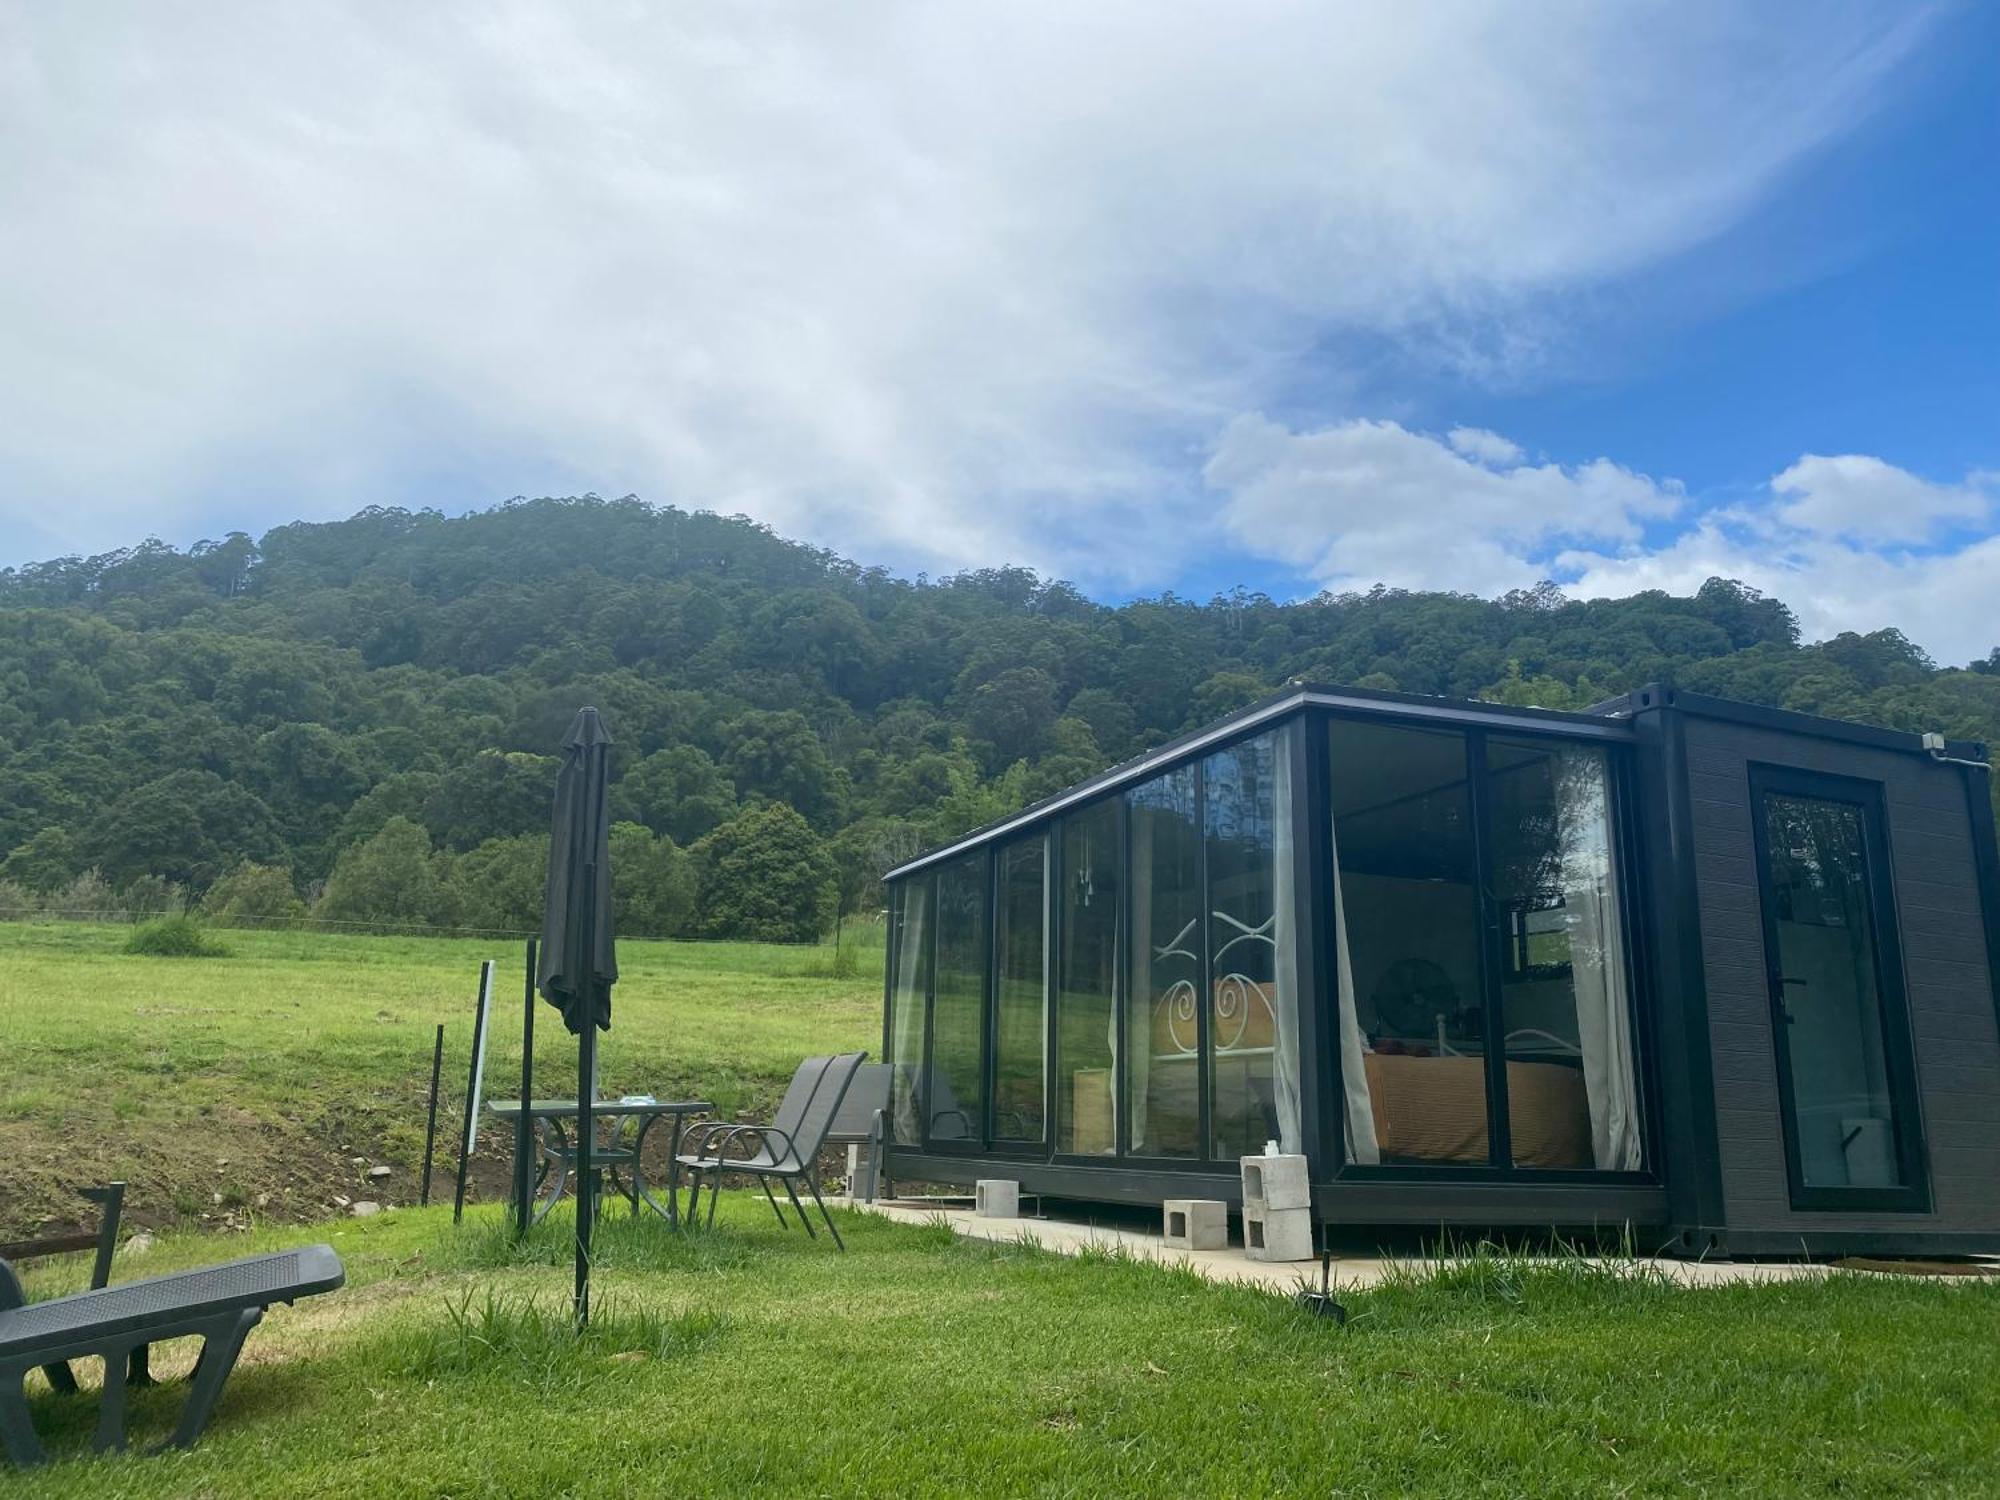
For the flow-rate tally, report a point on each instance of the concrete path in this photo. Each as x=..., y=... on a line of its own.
x=1069, y=1235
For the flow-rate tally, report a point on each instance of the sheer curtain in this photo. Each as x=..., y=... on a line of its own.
x=1285, y=1062
x=1597, y=961
x=906, y=1039
x=1363, y=1148
x=1141, y=1000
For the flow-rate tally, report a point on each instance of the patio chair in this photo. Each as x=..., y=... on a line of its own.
x=220, y=1304
x=790, y=1153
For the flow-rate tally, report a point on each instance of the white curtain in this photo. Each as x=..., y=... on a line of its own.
x=1363, y=1148
x=1285, y=1062
x=1140, y=1002
x=906, y=1038
x=1597, y=960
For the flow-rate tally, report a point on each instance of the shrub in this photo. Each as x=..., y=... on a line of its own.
x=174, y=937
x=764, y=875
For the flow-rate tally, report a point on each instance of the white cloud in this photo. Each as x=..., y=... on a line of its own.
x=1363, y=502
x=937, y=284
x=1942, y=600
x=1485, y=447
x=1862, y=498
x=1367, y=502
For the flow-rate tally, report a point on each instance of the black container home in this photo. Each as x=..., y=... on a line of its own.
x=1721, y=974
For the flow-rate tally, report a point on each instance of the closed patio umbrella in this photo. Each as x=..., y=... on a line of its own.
x=579, y=961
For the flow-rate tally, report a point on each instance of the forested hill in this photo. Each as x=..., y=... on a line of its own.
x=168, y=715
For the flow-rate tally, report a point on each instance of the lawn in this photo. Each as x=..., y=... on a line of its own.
x=754, y=1362
x=235, y=1090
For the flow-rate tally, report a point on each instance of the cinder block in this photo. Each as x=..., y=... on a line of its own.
x=1278, y=1233
x=996, y=1198
x=1276, y=1182
x=1196, y=1223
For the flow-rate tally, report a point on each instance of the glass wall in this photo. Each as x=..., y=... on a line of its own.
x=1020, y=1027
x=1247, y=825
x=958, y=1005
x=1572, y=1099
x=1163, y=1047
x=1480, y=959
x=909, y=990
x=1412, y=1019
x=1086, y=982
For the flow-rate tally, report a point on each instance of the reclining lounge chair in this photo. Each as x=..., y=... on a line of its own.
x=220, y=1304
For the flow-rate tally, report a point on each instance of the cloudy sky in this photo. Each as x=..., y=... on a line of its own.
x=1184, y=296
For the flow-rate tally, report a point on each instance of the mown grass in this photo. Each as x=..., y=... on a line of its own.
x=752, y=1361
x=228, y=1089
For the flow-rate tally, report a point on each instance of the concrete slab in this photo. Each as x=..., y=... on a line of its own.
x=1068, y=1236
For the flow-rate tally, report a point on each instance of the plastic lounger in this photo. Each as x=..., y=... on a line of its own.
x=220, y=1304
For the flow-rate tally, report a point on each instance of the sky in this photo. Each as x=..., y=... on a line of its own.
x=1287, y=297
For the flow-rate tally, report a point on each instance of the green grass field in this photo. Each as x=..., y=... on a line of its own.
x=233, y=1093
x=232, y=1090
x=754, y=1362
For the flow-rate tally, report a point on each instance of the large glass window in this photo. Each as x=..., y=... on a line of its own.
x=909, y=988
x=1572, y=1099
x=1836, y=995
x=958, y=1006
x=1086, y=983
x=1482, y=972
x=1247, y=801
x=1407, y=941
x=1020, y=1031
x=1163, y=1050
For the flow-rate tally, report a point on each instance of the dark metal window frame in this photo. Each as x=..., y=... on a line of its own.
x=975, y=1143
x=1500, y=1166
x=1898, y=1042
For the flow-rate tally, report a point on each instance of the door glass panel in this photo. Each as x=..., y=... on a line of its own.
x=1087, y=972
x=909, y=915
x=1572, y=1095
x=1165, y=1021
x=1819, y=912
x=1021, y=1025
x=958, y=1011
x=1406, y=940
x=1247, y=796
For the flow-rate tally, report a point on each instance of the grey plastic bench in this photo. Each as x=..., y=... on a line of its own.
x=219, y=1304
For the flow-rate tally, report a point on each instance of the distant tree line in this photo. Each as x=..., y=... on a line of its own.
x=361, y=717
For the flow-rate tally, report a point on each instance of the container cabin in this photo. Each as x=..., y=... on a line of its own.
x=1720, y=975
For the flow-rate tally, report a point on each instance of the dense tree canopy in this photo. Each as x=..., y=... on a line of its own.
x=374, y=705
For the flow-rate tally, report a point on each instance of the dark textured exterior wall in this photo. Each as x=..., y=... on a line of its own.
x=1947, y=973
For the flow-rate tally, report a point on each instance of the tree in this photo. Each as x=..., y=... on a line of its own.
x=764, y=875
x=501, y=884
x=1013, y=712
x=49, y=860
x=777, y=756
x=391, y=879
x=254, y=894
x=186, y=827
x=495, y=794
x=678, y=791
x=652, y=883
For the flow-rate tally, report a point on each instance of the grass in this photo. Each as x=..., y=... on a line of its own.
x=232, y=1091
x=752, y=1361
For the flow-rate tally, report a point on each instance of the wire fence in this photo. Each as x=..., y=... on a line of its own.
x=861, y=930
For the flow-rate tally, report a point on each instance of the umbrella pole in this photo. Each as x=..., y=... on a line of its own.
x=523, y=1125
x=586, y=1092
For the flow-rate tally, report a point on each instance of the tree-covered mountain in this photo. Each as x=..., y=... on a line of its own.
x=358, y=698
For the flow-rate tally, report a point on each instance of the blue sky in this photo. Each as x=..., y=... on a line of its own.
x=1287, y=296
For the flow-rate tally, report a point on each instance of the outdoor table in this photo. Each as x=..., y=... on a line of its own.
x=552, y=1133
